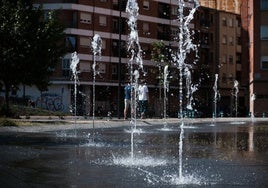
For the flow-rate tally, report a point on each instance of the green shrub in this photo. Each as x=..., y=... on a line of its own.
x=7, y=123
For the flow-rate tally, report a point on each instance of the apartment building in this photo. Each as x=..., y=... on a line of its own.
x=229, y=63
x=108, y=18
x=251, y=63
x=217, y=31
x=220, y=53
x=255, y=24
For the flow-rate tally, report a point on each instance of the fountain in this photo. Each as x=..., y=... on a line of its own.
x=96, y=45
x=252, y=99
x=73, y=67
x=216, y=96
x=35, y=156
x=185, y=46
x=80, y=162
x=134, y=101
x=236, y=90
x=134, y=49
x=166, y=89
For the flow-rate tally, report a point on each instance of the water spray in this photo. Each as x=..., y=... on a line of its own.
x=96, y=45
x=73, y=67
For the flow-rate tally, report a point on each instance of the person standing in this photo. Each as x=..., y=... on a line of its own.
x=143, y=99
x=127, y=99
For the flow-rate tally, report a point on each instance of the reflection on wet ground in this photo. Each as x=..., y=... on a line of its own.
x=215, y=155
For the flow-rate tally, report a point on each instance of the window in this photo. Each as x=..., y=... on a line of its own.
x=264, y=32
x=238, y=58
x=103, y=21
x=146, y=5
x=224, y=39
x=231, y=24
x=238, y=40
x=84, y=41
x=115, y=23
x=224, y=22
x=231, y=59
x=231, y=41
x=84, y=66
x=264, y=4
x=224, y=58
x=264, y=62
x=65, y=66
x=174, y=10
x=238, y=23
x=145, y=27
x=85, y=17
x=70, y=43
x=114, y=69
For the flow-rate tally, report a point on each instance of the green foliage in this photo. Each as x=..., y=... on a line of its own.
x=160, y=54
x=31, y=45
x=7, y=123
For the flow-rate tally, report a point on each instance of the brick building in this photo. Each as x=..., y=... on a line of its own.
x=218, y=30
x=255, y=25
x=108, y=18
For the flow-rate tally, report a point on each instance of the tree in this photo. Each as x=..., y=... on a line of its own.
x=160, y=55
x=31, y=44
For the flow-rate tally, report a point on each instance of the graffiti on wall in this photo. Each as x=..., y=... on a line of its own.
x=50, y=101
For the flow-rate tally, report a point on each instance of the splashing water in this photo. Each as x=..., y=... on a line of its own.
x=166, y=89
x=216, y=95
x=134, y=47
x=135, y=51
x=191, y=88
x=136, y=75
x=96, y=45
x=140, y=161
x=73, y=67
x=134, y=107
x=236, y=90
x=185, y=46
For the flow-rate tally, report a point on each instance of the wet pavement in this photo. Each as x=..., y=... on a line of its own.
x=221, y=153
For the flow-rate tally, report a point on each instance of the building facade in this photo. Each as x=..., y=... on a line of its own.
x=218, y=31
x=233, y=6
x=255, y=15
x=220, y=52
x=108, y=18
